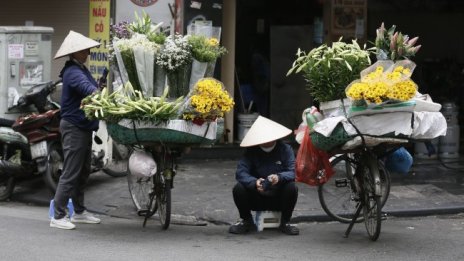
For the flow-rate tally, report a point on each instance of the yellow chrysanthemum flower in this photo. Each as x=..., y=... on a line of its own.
x=213, y=41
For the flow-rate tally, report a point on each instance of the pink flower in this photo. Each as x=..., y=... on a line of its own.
x=412, y=41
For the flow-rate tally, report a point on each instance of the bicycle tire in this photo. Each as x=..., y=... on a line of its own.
x=371, y=202
x=140, y=190
x=115, y=168
x=340, y=202
x=163, y=201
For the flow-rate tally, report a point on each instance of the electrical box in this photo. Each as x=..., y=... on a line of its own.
x=25, y=60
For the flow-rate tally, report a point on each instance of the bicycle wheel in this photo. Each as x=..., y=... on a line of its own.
x=371, y=202
x=140, y=190
x=163, y=199
x=337, y=197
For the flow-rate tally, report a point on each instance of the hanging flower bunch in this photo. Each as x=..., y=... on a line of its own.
x=379, y=84
x=208, y=101
x=394, y=45
x=175, y=54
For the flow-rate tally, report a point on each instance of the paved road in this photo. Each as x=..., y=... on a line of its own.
x=26, y=235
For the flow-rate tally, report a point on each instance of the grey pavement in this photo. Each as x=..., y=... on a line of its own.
x=202, y=192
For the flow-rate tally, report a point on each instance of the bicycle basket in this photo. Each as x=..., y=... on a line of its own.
x=177, y=132
x=338, y=137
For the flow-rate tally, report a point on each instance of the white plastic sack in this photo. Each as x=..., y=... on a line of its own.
x=142, y=164
x=424, y=103
x=398, y=123
x=429, y=125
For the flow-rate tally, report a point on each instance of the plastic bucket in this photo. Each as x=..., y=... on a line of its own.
x=244, y=122
x=449, y=144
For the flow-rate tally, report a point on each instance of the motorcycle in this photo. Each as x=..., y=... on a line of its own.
x=31, y=145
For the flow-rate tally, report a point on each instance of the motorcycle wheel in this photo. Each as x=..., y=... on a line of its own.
x=118, y=166
x=54, y=165
x=117, y=169
x=7, y=185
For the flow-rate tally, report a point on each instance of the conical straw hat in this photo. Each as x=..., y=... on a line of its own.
x=75, y=42
x=264, y=130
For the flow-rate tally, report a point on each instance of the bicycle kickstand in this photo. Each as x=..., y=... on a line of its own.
x=148, y=213
x=358, y=211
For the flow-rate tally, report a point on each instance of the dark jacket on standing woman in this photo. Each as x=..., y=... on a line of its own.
x=77, y=84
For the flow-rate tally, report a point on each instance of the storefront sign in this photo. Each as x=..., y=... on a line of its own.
x=99, y=30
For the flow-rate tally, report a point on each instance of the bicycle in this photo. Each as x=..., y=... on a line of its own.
x=360, y=183
x=152, y=194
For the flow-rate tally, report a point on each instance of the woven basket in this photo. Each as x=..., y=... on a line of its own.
x=338, y=137
x=163, y=134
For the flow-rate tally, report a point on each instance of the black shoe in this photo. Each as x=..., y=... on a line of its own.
x=289, y=229
x=242, y=227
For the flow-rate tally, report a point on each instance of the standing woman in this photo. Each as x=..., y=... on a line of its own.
x=76, y=132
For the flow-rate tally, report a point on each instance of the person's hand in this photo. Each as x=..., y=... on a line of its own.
x=273, y=178
x=259, y=185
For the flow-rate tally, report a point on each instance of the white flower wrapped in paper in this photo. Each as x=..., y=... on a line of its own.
x=176, y=59
x=136, y=57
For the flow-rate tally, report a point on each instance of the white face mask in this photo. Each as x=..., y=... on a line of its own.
x=268, y=149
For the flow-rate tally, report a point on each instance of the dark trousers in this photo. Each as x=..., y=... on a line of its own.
x=77, y=151
x=283, y=200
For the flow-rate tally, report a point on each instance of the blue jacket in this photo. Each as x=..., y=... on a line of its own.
x=257, y=164
x=77, y=84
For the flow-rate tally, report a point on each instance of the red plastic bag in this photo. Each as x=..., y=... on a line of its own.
x=312, y=165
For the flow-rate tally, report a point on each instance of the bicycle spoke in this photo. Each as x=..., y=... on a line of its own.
x=337, y=196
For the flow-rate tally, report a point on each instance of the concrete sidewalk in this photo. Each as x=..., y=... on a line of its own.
x=203, y=193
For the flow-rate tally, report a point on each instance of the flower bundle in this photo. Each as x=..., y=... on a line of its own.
x=144, y=25
x=329, y=69
x=384, y=81
x=394, y=45
x=120, y=30
x=137, y=59
x=127, y=103
x=205, y=49
x=208, y=101
x=175, y=53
